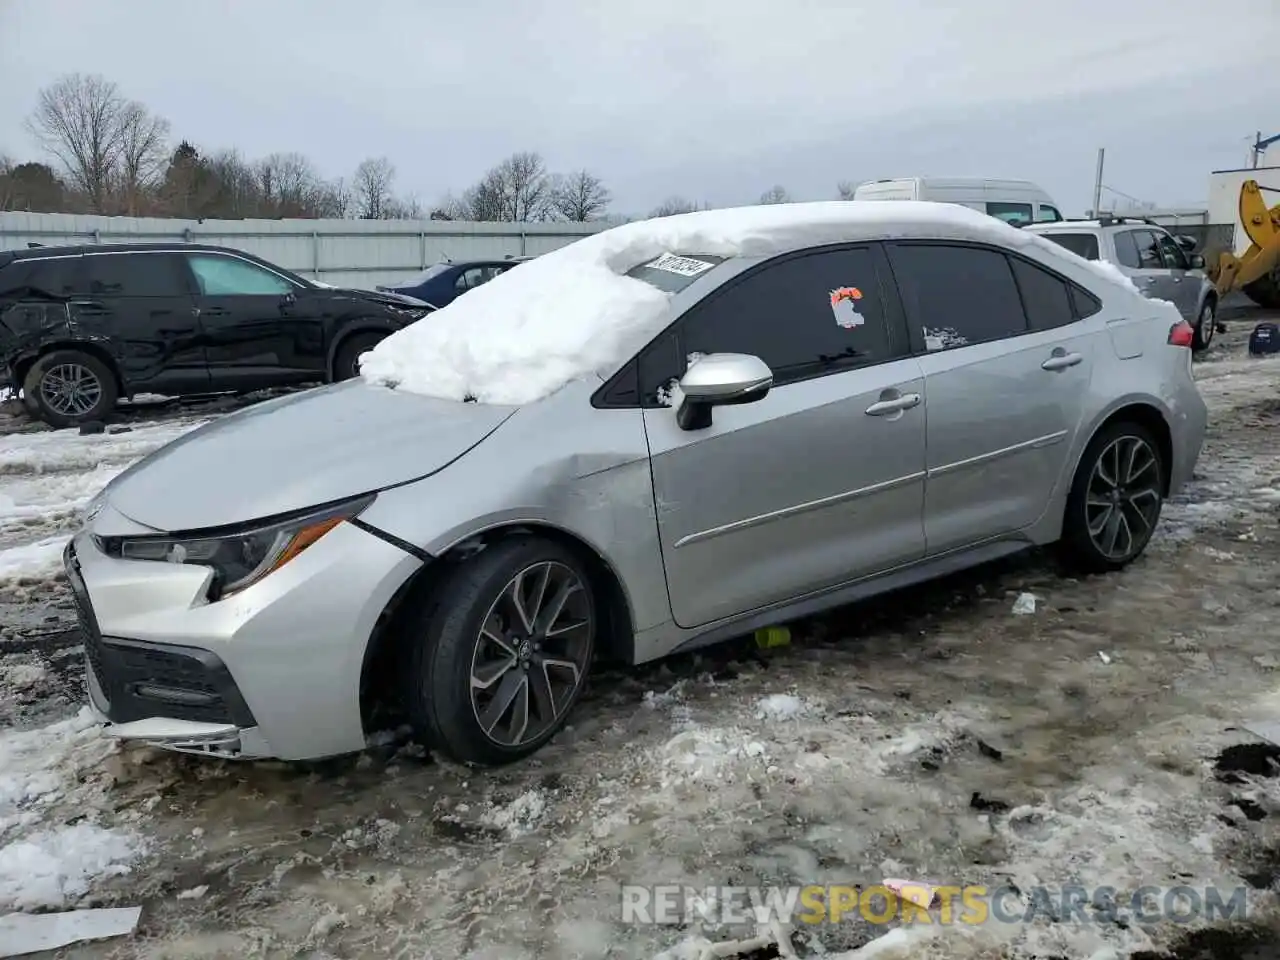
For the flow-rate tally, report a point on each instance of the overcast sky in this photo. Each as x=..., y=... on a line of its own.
x=716, y=100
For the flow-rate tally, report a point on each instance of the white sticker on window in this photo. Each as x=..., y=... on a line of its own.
x=683, y=266
x=844, y=302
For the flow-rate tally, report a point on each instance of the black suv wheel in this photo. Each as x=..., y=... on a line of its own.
x=66, y=388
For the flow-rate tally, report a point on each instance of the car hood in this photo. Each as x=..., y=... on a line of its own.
x=296, y=452
x=387, y=298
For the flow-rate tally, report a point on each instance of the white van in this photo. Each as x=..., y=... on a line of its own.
x=1014, y=201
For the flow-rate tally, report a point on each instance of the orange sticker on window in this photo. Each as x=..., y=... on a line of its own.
x=844, y=307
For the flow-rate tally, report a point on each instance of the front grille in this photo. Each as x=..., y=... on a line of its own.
x=142, y=680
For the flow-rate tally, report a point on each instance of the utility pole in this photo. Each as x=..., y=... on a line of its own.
x=1257, y=149
x=1097, y=184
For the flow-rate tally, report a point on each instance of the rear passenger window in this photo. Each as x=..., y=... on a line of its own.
x=56, y=275
x=135, y=275
x=957, y=296
x=1010, y=212
x=1045, y=297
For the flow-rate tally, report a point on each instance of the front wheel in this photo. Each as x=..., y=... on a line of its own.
x=66, y=388
x=502, y=651
x=1115, y=499
x=346, y=362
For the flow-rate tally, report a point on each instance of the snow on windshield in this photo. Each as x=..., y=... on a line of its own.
x=574, y=312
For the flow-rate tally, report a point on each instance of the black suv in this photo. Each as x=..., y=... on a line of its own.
x=81, y=327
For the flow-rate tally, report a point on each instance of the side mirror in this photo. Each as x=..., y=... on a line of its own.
x=1197, y=261
x=719, y=380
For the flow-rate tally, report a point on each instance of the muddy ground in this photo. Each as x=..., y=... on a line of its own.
x=931, y=734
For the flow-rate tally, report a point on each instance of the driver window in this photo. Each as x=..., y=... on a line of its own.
x=229, y=276
x=805, y=316
x=1172, y=255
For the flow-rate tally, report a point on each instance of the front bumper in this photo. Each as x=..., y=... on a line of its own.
x=272, y=672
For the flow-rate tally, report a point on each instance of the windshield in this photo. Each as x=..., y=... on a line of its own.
x=1081, y=244
x=671, y=272
x=432, y=271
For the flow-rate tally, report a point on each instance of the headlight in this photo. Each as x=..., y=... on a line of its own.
x=239, y=558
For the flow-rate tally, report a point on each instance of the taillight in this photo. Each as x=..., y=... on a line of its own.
x=1182, y=334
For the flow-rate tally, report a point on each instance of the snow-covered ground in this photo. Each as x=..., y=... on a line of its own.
x=932, y=735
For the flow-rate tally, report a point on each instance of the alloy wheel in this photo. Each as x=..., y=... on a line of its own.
x=531, y=653
x=1123, y=499
x=70, y=389
x=1208, y=325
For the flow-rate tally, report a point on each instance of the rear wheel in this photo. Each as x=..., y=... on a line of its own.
x=346, y=362
x=1115, y=499
x=66, y=388
x=501, y=653
x=1206, y=325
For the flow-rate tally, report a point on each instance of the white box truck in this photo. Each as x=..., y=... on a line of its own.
x=1014, y=201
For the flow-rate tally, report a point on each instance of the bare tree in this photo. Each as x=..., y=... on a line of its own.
x=579, y=197
x=846, y=189
x=143, y=145
x=451, y=208
x=289, y=186
x=372, y=188
x=487, y=200
x=518, y=189
x=402, y=208
x=674, y=205
x=775, y=194
x=77, y=120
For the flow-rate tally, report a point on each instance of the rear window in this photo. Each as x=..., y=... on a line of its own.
x=1081, y=244
x=673, y=272
x=54, y=275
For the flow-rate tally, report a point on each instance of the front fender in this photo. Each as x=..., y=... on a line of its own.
x=561, y=464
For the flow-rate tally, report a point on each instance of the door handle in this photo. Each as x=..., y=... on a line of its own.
x=884, y=407
x=1061, y=361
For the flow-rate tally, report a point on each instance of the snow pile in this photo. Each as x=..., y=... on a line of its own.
x=572, y=313
x=54, y=868
x=519, y=816
x=43, y=865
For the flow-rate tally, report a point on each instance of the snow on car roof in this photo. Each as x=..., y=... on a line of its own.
x=573, y=312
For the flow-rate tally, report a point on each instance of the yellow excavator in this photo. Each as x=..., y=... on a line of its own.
x=1256, y=272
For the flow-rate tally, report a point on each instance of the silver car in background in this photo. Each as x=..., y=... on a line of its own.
x=1150, y=256
x=814, y=425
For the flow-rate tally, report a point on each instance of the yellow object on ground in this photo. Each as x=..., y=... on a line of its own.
x=773, y=637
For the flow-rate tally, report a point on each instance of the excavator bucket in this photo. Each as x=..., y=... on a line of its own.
x=1257, y=270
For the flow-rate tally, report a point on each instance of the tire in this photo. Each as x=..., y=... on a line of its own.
x=1265, y=291
x=47, y=394
x=1087, y=523
x=344, y=361
x=452, y=714
x=1206, y=325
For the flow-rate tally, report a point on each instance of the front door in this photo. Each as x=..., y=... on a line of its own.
x=142, y=301
x=819, y=483
x=1005, y=396
x=1184, y=286
x=260, y=328
x=1138, y=252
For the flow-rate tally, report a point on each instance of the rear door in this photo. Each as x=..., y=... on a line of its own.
x=1005, y=395
x=142, y=301
x=819, y=483
x=259, y=331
